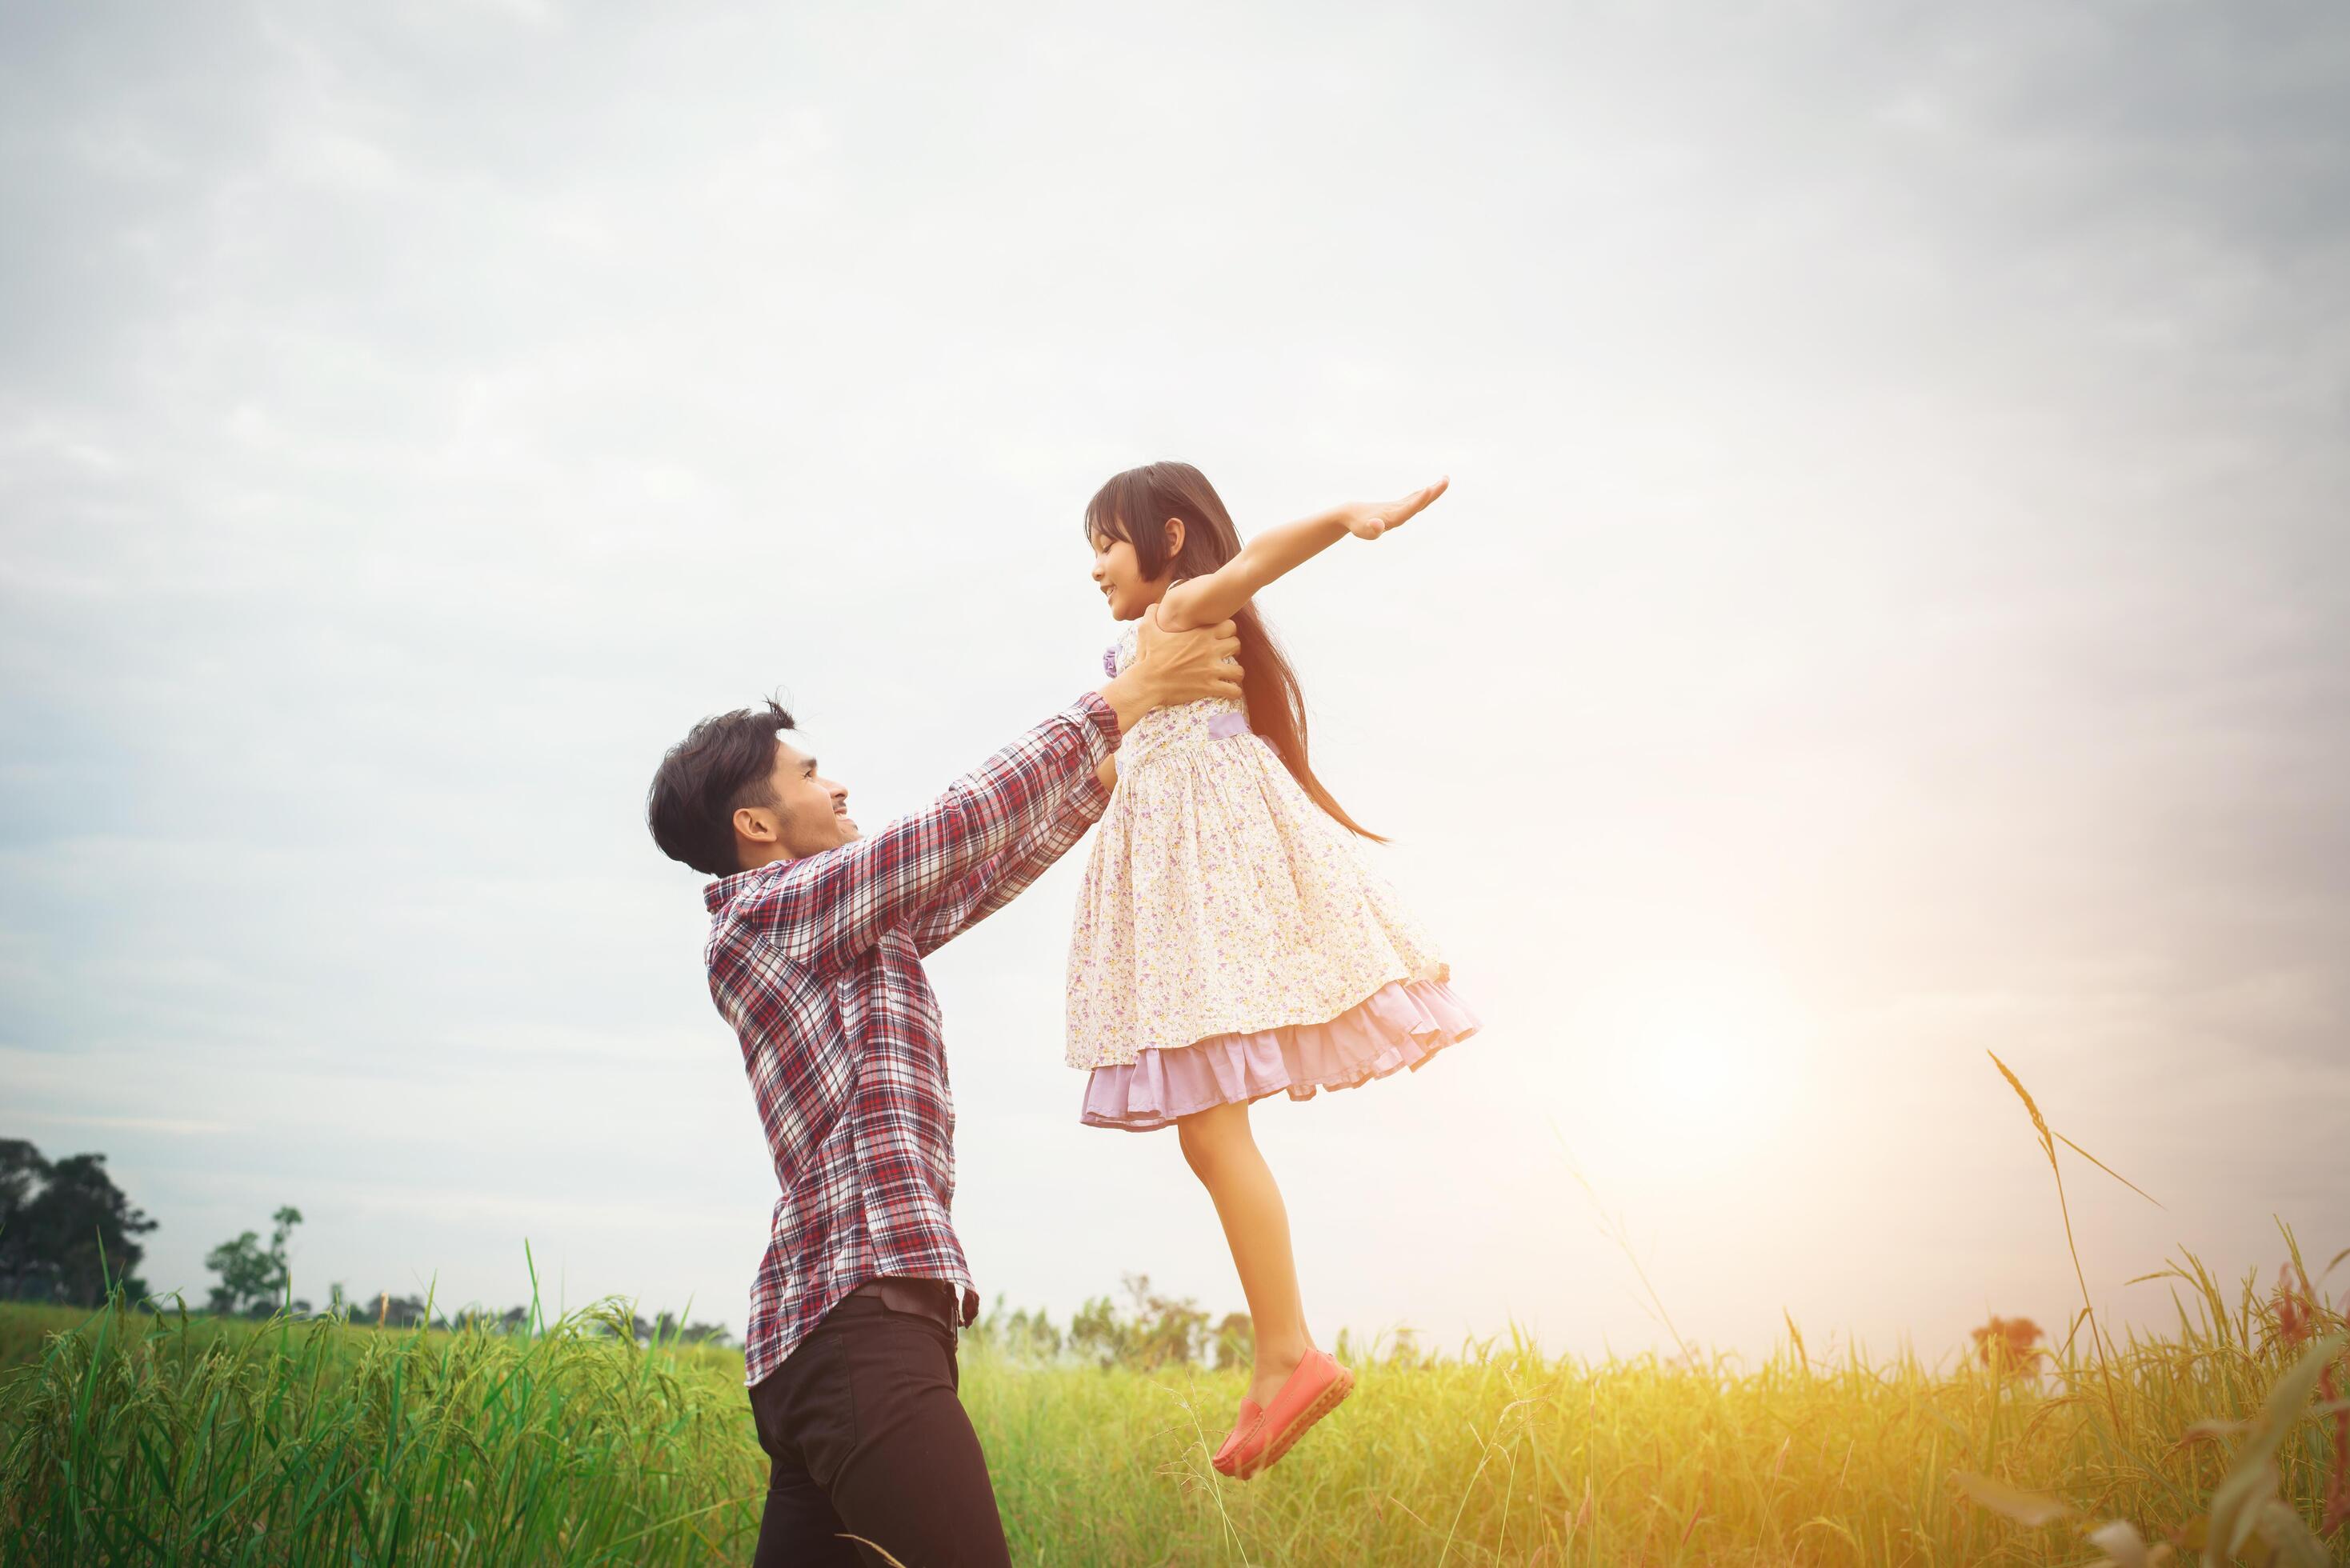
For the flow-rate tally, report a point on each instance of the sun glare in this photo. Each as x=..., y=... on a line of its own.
x=1700, y=1057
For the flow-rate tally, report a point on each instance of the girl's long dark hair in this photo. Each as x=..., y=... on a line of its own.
x=1135, y=506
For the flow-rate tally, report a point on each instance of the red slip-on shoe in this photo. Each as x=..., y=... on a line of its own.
x=1245, y=1433
x=1316, y=1387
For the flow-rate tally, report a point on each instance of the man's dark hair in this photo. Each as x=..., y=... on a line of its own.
x=724, y=764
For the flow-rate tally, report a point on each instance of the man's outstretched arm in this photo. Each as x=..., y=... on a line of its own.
x=1007, y=875
x=827, y=908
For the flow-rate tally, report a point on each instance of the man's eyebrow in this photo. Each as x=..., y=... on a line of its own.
x=808, y=762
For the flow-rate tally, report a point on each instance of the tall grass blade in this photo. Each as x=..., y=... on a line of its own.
x=2088, y=1309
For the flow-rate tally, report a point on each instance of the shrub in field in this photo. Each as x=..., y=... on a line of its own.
x=2009, y=1345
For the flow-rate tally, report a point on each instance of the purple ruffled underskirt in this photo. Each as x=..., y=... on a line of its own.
x=1401, y=1024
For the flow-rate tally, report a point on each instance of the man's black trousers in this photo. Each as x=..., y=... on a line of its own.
x=866, y=1436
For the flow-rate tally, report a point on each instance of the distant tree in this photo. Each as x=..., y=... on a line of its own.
x=1021, y=1335
x=254, y=1280
x=668, y=1329
x=22, y=1171
x=25, y=1274
x=65, y=1228
x=1157, y=1330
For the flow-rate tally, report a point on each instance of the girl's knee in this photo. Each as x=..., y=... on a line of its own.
x=1209, y=1137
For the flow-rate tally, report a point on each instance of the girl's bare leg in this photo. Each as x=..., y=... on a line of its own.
x=1223, y=1155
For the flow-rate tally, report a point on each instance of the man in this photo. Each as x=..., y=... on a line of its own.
x=817, y=940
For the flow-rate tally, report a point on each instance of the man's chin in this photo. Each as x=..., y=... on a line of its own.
x=849, y=832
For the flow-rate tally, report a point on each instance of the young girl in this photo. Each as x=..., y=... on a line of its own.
x=1230, y=944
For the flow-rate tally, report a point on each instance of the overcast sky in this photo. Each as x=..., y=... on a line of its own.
x=1894, y=602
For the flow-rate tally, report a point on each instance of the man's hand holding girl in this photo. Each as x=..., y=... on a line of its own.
x=1171, y=668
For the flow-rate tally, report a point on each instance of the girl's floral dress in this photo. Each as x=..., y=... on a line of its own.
x=1230, y=942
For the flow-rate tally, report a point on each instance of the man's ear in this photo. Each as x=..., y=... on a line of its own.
x=1174, y=537
x=757, y=823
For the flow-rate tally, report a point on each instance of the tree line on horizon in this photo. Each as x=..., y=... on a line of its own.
x=69, y=1237
x=1150, y=1330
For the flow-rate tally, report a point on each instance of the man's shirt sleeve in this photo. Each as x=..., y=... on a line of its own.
x=828, y=908
x=973, y=898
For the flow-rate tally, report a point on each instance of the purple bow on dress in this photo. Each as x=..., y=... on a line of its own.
x=1224, y=726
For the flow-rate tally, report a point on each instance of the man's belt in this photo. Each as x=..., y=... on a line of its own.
x=934, y=1299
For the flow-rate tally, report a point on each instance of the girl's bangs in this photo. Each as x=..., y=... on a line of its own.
x=1104, y=512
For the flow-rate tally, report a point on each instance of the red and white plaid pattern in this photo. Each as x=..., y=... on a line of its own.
x=817, y=965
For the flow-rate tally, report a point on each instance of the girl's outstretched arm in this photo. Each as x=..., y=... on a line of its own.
x=1204, y=601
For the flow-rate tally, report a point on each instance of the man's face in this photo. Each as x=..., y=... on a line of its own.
x=810, y=814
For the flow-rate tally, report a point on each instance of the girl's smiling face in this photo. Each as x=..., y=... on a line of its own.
x=1119, y=578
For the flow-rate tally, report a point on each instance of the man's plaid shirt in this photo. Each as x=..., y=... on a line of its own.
x=817, y=965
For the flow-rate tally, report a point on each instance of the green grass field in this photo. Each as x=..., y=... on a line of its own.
x=131, y=1437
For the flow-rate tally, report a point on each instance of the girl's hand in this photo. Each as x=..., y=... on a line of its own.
x=1369, y=520
x=1277, y=551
